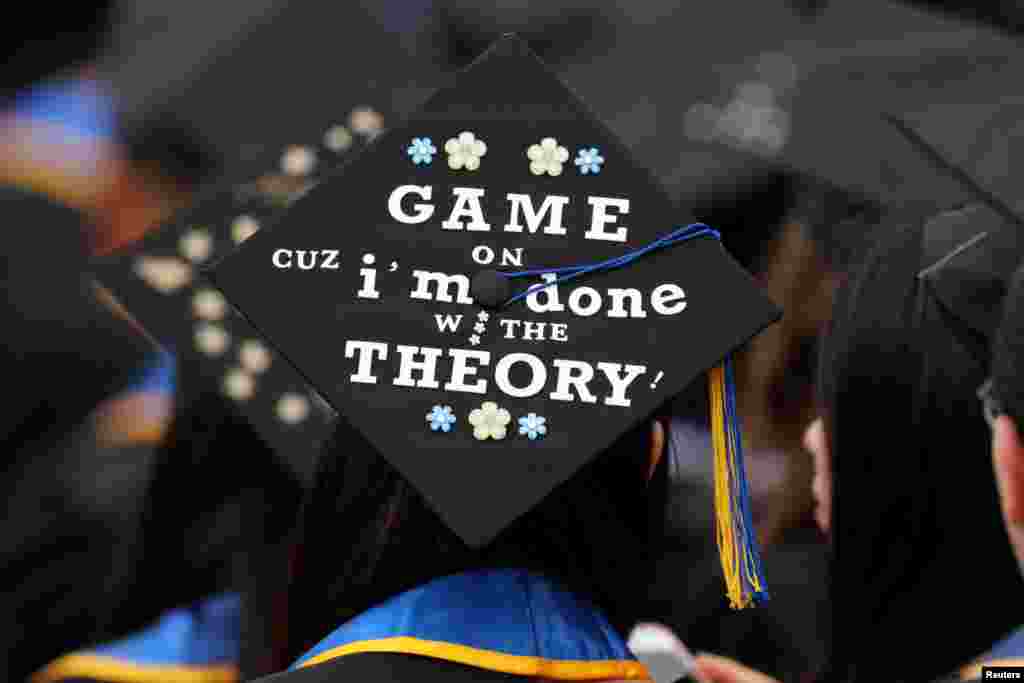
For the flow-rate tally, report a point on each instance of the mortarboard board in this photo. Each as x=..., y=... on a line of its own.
x=158, y=280
x=875, y=61
x=1006, y=16
x=969, y=257
x=506, y=270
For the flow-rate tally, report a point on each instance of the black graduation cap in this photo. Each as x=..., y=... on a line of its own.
x=159, y=280
x=1002, y=14
x=970, y=255
x=870, y=63
x=405, y=303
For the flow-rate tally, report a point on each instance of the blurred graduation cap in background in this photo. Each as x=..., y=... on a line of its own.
x=283, y=94
x=247, y=427
x=969, y=257
x=929, y=73
x=1005, y=15
x=159, y=280
x=821, y=101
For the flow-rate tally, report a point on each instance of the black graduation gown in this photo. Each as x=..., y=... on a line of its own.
x=394, y=668
x=63, y=351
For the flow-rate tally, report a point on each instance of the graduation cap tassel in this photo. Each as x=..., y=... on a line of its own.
x=737, y=541
x=677, y=236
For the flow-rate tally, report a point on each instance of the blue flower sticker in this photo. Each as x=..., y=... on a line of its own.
x=533, y=426
x=421, y=151
x=441, y=418
x=589, y=161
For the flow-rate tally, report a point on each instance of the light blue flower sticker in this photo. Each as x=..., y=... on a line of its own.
x=533, y=426
x=422, y=151
x=441, y=418
x=589, y=161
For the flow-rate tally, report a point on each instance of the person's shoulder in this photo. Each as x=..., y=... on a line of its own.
x=198, y=644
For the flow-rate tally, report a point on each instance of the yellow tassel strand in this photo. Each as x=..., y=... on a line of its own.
x=737, y=540
x=724, y=511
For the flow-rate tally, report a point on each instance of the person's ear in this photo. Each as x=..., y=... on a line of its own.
x=1008, y=457
x=816, y=443
x=657, y=448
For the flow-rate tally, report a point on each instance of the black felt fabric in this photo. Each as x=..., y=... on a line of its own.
x=394, y=668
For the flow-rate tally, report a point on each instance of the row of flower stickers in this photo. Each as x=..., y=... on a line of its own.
x=489, y=421
x=466, y=151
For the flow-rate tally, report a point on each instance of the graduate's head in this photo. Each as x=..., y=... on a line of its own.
x=1004, y=397
x=368, y=534
x=499, y=324
x=903, y=443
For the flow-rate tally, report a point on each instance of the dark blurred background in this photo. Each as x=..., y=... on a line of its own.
x=763, y=118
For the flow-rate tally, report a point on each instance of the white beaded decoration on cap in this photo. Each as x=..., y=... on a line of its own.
x=292, y=408
x=338, y=139
x=243, y=227
x=254, y=356
x=298, y=160
x=366, y=121
x=239, y=384
x=166, y=275
x=196, y=245
x=208, y=304
x=212, y=339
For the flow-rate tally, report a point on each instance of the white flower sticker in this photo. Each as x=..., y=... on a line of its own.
x=547, y=157
x=490, y=422
x=465, y=152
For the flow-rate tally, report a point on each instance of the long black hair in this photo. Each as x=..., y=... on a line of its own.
x=1008, y=353
x=922, y=577
x=367, y=535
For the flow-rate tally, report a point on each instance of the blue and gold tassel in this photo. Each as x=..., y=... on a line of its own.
x=737, y=539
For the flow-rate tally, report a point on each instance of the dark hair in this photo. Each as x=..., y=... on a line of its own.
x=1008, y=353
x=367, y=535
x=922, y=576
x=40, y=43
